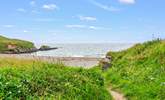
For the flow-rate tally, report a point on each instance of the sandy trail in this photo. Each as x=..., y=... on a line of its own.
x=116, y=95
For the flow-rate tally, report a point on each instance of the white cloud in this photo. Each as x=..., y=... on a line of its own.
x=50, y=7
x=105, y=7
x=8, y=26
x=21, y=10
x=98, y=28
x=85, y=27
x=25, y=31
x=93, y=27
x=127, y=1
x=87, y=18
x=75, y=26
x=32, y=3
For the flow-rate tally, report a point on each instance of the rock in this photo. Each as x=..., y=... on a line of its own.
x=21, y=50
x=18, y=50
x=109, y=57
x=45, y=48
x=106, y=63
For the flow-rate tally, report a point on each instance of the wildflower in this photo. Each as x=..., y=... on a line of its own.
x=152, y=78
x=67, y=84
x=19, y=91
x=75, y=75
x=7, y=83
x=163, y=83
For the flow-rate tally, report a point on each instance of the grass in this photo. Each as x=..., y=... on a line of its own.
x=139, y=72
x=21, y=44
x=28, y=80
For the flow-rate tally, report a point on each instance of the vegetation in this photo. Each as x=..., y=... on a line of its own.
x=139, y=72
x=44, y=47
x=19, y=44
x=37, y=80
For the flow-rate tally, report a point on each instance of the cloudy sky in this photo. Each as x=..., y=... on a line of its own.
x=82, y=21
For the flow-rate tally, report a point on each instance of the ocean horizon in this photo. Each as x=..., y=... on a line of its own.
x=98, y=50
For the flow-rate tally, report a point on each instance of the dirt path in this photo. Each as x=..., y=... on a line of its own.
x=116, y=95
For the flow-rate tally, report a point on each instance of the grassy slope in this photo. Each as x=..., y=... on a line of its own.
x=19, y=43
x=139, y=72
x=31, y=79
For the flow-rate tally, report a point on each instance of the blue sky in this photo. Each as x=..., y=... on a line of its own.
x=82, y=21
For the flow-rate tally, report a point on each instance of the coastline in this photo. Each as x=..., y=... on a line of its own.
x=85, y=62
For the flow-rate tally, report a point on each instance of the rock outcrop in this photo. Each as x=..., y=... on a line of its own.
x=106, y=63
x=20, y=50
x=16, y=46
x=45, y=48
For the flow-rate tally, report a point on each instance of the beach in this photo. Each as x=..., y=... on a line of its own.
x=75, y=55
x=85, y=62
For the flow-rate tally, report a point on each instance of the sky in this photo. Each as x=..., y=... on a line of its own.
x=82, y=21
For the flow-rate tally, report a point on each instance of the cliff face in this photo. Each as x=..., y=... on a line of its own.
x=15, y=46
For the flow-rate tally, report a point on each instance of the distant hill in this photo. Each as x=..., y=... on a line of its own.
x=8, y=45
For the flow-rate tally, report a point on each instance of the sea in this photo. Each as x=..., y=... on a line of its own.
x=98, y=50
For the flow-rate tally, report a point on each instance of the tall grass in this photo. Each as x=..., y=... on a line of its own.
x=139, y=72
x=29, y=80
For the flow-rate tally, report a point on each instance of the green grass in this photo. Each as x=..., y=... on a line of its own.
x=21, y=44
x=139, y=72
x=31, y=80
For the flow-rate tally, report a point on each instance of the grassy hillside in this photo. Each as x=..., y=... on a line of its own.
x=21, y=44
x=36, y=80
x=139, y=72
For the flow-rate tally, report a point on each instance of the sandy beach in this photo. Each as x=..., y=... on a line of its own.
x=85, y=62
